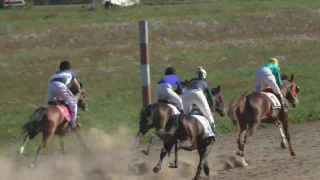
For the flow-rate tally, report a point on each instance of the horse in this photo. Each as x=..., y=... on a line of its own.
x=49, y=120
x=254, y=108
x=184, y=127
x=157, y=114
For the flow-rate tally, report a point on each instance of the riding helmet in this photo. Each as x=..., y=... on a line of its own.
x=65, y=65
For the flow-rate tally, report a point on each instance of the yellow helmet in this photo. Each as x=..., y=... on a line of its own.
x=204, y=72
x=273, y=60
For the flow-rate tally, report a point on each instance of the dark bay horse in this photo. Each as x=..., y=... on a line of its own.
x=184, y=127
x=157, y=114
x=255, y=108
x=49, y=121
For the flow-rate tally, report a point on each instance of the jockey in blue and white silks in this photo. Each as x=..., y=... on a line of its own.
x=57, y=88
x=164, y=87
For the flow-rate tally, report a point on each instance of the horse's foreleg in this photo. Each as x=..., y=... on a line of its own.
x=146, y=151
x=286, y=132
x=283, y=138
x=24, y=143
x=241, y=142
x=61, y=138
x=80, y=138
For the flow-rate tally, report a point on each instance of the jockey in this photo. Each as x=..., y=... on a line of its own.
x=195, y=94
x=57, y=87
x=269, y=74
x=164, y=87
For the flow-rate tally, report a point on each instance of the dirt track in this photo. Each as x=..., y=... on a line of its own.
x=115, y=159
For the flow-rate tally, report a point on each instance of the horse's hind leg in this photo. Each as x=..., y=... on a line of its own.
x=203, y=153
x=164, y=151
x=241, y=142
x=41, y=148
x=146, y=151
x=24, y=143
x=286, y=132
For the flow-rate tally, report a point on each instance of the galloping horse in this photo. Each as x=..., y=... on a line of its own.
x=157, y=114
x=184, y=127
x=49, y=120
x=255, y=108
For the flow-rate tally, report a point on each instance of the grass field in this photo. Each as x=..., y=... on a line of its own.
x=229, y=38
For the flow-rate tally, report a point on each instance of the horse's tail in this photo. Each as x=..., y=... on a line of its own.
x=237, y=106
x=164, y=135
x=172, y=126
x=34, y=125
x=242, y=104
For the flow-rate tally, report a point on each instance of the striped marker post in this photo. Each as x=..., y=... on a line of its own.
x=144, y=56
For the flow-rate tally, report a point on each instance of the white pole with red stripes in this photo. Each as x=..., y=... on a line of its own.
x=145, y=69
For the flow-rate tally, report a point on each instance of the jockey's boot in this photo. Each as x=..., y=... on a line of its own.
x=213, y=131
x=181, y=111
x=283, y=102
x=73, y=125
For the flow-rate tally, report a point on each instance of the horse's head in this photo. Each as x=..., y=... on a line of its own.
x=81, y=97
x=147, y=116
x=218, y=100
x=290, y=90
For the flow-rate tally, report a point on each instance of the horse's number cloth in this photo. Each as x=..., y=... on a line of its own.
x=205, y=124
x=275, y=103
x=65, y=112
x=174, y=108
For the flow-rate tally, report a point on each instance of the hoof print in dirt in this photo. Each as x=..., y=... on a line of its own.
x=139, y=168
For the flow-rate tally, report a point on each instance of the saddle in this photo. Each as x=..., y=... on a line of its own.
x=167, y=101
x=275, y=102
x=59, y=102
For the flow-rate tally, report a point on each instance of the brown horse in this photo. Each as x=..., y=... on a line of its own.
x=49, y=121
x=255, y=108
x=184, y=127
x=157, y=114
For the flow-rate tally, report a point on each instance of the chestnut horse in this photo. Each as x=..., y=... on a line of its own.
x=49, y=121
x=255, y=108
x=157, y=114
x=184, y=127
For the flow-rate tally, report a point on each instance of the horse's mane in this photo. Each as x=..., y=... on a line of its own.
x=284, y=77
x=74, y=90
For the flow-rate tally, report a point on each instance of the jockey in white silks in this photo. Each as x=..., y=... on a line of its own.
x=269, y=74
x=164, y=87
x=195, y=94
x=57, y=88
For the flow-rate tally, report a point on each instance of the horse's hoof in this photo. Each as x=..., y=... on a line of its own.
x=293, y=154
x=172, y=165
x=196, y=178
x=156, y=169
x=283, y=145
x=31, y=165
x=21, y=150
x=145, y=152
x=206, y=170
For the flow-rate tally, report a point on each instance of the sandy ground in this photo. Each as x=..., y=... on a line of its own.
x=115, y=158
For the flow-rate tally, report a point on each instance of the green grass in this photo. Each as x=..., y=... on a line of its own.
x=229, y=38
